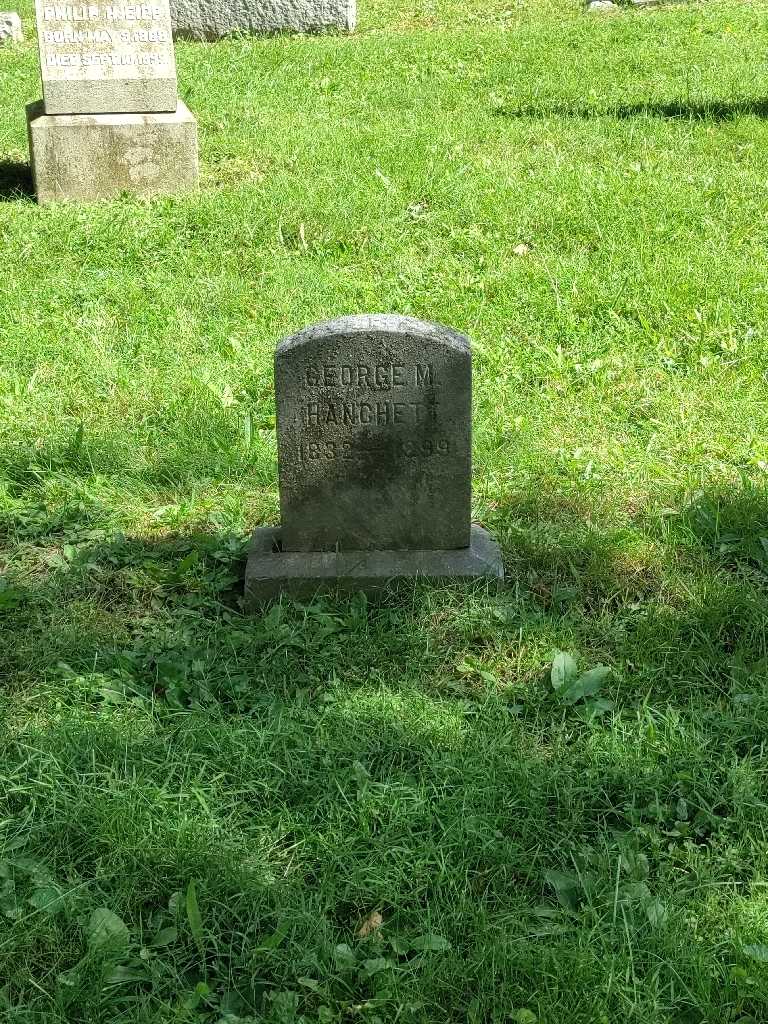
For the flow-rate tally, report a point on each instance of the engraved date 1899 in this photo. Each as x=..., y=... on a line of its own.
x=346, y=450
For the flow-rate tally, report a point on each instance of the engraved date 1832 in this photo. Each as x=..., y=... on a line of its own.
x=345, y=450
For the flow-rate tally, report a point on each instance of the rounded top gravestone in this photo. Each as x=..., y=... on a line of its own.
x=374, y=436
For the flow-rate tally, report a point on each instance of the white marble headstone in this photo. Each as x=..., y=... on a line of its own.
x=106, y=58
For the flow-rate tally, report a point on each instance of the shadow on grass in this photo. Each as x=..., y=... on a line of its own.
x=309, y=763
x=677, y=598
x=24, y=468
x=15, y=181
x=682, y=110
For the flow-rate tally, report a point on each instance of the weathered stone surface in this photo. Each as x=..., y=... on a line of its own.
x=374, y=436
x=10, y=27
x=271, y=572
x=106, y=57
x=602, y=7
x=213, y=19
x=90, y=157
x=374, y=441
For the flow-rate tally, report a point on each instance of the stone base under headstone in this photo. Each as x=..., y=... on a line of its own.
x=87, y=157
x=215, y=19
x=271, y=572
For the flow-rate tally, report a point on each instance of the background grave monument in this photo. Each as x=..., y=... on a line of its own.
x=374, y=441
x=214, y=19
x=110, y=119
x=10, y=27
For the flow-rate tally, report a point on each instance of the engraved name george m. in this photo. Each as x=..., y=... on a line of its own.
x=379, y=375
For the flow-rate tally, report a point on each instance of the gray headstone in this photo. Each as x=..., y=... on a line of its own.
x=10, y=27
x=106, y=58
x=213, y=19
x=374, y=436
x=374, y=449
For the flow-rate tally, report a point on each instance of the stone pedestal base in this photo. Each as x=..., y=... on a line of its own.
x=86, y=157
x=271, y=572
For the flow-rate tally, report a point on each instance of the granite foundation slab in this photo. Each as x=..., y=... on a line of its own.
x=271, y=572
x=215, y=19
x=87, y=157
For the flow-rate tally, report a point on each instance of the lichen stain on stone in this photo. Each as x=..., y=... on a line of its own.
x=140, y=164
x=138, y=155
x=144, y=172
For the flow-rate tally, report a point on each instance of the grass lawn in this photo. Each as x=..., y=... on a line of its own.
x=199, y=810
